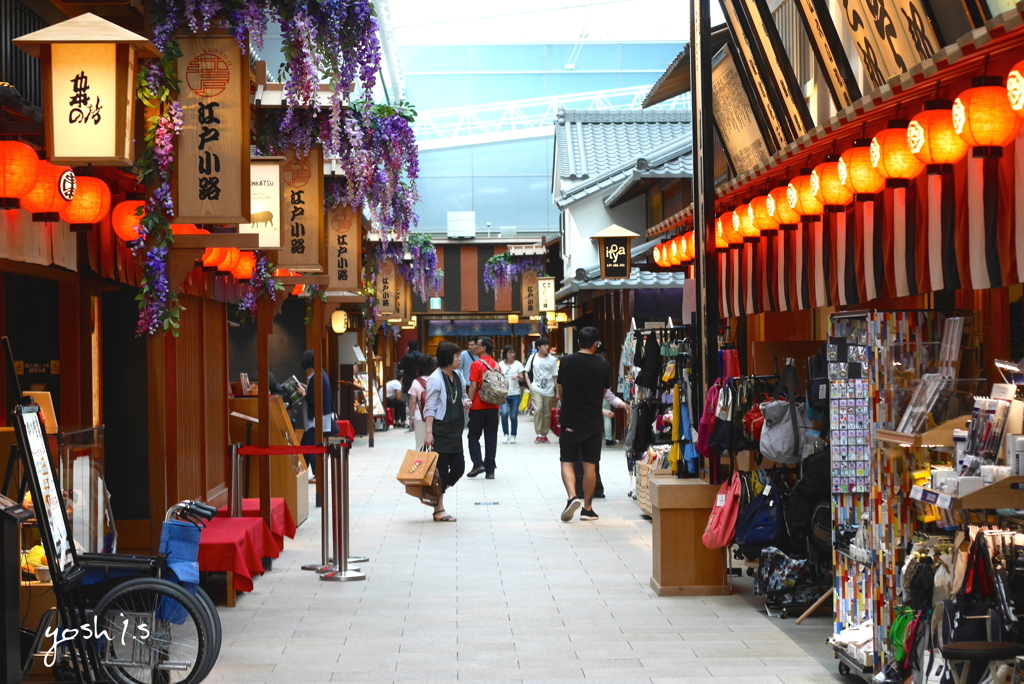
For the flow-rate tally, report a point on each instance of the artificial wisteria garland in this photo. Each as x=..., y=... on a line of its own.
x=262, y=283
x=501, y=270
x=315, y=292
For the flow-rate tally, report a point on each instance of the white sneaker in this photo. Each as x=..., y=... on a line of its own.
x=504, y=439
x=512, y=439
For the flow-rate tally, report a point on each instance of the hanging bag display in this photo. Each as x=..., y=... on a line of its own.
x=707, y=419
x=721, y=430
x=785, y=422
x=721, y=527
x=753, y=420
x=761, y=521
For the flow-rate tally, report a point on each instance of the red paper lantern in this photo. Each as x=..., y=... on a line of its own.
x=730, y=232
x=54, y=189
x=720, y=241
x=680, y=245
x=744, y=223
x=674, y=257
x=827, y=187
x=983, y=116
x=779, y=208
x=856, y=171
x=230, y=261
x=933, y=138
x=891, y=155
x=1015, y=88
x=298, y=290
x=690, y=249
x=213, y=257
x=656, y=255
x=801, y=196
x=760, y=216
x=126, y=219
x=90, y=204
x=245, y=266
x=18, y=171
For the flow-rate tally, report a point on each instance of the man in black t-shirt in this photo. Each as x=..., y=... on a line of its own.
x=583, y=377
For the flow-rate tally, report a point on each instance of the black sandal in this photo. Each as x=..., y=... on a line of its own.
x=444, y=517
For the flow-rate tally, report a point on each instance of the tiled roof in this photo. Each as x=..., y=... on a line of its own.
x=637, y=280
x=653, y=143
x=680, y=165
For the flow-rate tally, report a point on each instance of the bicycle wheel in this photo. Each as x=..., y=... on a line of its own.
x=151, y=631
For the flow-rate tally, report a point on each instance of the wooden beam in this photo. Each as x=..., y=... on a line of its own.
x=303, y=280
x=346, y=299
x=236, y=240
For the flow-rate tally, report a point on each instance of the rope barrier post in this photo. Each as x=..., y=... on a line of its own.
x=345, y=513
x=338, y=574
x=324, y=566
x=235, y=510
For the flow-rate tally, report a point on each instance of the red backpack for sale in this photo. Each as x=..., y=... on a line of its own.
x=707, y=420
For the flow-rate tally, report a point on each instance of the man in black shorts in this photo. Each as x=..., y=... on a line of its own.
x=584, y=377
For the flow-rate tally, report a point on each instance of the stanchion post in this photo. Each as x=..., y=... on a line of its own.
x=235, y=510
x=348, y=507
x=324, y=565
x=341, y=573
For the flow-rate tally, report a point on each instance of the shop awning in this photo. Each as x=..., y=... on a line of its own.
x=676, y=79
x=637, y=280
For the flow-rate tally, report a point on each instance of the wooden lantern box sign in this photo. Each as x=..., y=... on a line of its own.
x=613, y=246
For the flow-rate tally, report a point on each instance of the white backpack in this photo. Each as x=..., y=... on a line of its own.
x=493, y=386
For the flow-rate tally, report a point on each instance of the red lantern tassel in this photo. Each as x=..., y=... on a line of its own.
x=983, y=222
x=723, y=285
x=736, y=278
x=942, y=267
x=801, y=256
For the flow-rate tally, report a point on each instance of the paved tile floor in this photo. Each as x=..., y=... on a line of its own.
x=506, y=594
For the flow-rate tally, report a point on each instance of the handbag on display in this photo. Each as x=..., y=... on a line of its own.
x=785, y=422
x=720, y=438
x=753, y=420
x=707, y=419
x=761, y=521
x=721, y=527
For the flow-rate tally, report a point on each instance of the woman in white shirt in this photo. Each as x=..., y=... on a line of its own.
x=417, y=398
x=513, y=371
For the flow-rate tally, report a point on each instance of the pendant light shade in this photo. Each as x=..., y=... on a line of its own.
x=857, y=172
x=779, y=208
x=801, y=196
x=246, y=265
x=126, y=219
x=760, y=217
x=891, y=155
x=933, y=138
x=339, y=321
x=54, y=189
x=18, y=170
x=983, y=116
x=1015, y=88
x=827, y=186
x=90, y=204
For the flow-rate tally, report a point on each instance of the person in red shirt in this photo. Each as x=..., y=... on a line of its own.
x=483, y=417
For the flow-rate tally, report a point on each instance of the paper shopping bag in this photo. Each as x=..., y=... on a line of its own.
x=418, y=468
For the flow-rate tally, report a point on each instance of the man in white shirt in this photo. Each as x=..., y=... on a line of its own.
x=393, y=399
x=541, y=371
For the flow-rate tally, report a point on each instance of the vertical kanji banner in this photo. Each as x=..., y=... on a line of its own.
x=344, y=261
x=302, y=210
x=387, y=290
x=210, y=180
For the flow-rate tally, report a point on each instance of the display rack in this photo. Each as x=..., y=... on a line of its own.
x=875, y=359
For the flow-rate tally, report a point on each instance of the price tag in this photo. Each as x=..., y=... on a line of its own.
x=916, y=492
x=944, y=501
x=767, y=490
x=1005, y=391
x=720, y=501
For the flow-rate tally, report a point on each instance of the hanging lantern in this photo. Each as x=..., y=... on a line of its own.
x=184, y=229
x=657, y=255
x=245, y=266
x=744, y=223
x=1015, y=88
x=213, y=257
x=730, y=232
x=126, y=218
x=298, y=290
x=54, y=190
x=760, y=217
x=720, y=241
x=801, y=196
x=18, y=170
x=891, y=155
x=339, y=321
x=674, y=257
x=230, y=260
x=780, y=210
x=690, y=249
x=680, y=245
x=827, y=187
x=984, y=118
x=933, y=138
x=857, y=172
x=90, y=204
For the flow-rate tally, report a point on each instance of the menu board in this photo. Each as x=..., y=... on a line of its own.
x=52, y=502
x=734, y=116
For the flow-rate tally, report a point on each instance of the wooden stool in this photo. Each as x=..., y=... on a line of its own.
x=988, y=653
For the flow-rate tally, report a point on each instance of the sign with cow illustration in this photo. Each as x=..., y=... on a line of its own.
x=265, y=201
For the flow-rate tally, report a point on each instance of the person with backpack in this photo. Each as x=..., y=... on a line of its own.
x=417, y=398
x=485, y=381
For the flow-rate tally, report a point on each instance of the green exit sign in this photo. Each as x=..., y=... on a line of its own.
x=435, y=303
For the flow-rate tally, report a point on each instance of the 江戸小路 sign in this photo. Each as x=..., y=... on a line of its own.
x=344, y=260
x=302, y=210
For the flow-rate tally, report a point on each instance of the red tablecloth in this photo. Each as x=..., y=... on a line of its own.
x=282, y=524
x=236, y=545
x=346, y=430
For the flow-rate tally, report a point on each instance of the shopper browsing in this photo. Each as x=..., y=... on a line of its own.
x=513, y=372
x=309, y=422
x=583, y=378
x=394, y=400
x=483, y=417
x=541, y=370
x=417, y=398
x=444, y=416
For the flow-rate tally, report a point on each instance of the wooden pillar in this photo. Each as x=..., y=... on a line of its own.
x=264, y=328
x=157, y=390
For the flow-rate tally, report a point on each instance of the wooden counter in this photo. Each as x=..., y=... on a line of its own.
x=683, y=566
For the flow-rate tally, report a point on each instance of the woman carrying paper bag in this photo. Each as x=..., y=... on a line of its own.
x=444, y=415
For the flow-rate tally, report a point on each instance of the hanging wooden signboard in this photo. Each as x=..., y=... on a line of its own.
x=265, y=201
x=211, y=177
x=546, y=294
x=891, y=36
x=344, y=260
x=387, y=303
x=302, y=211
x=734, y=115
x=528, y=294
x=829, y=53
x=403, y=302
